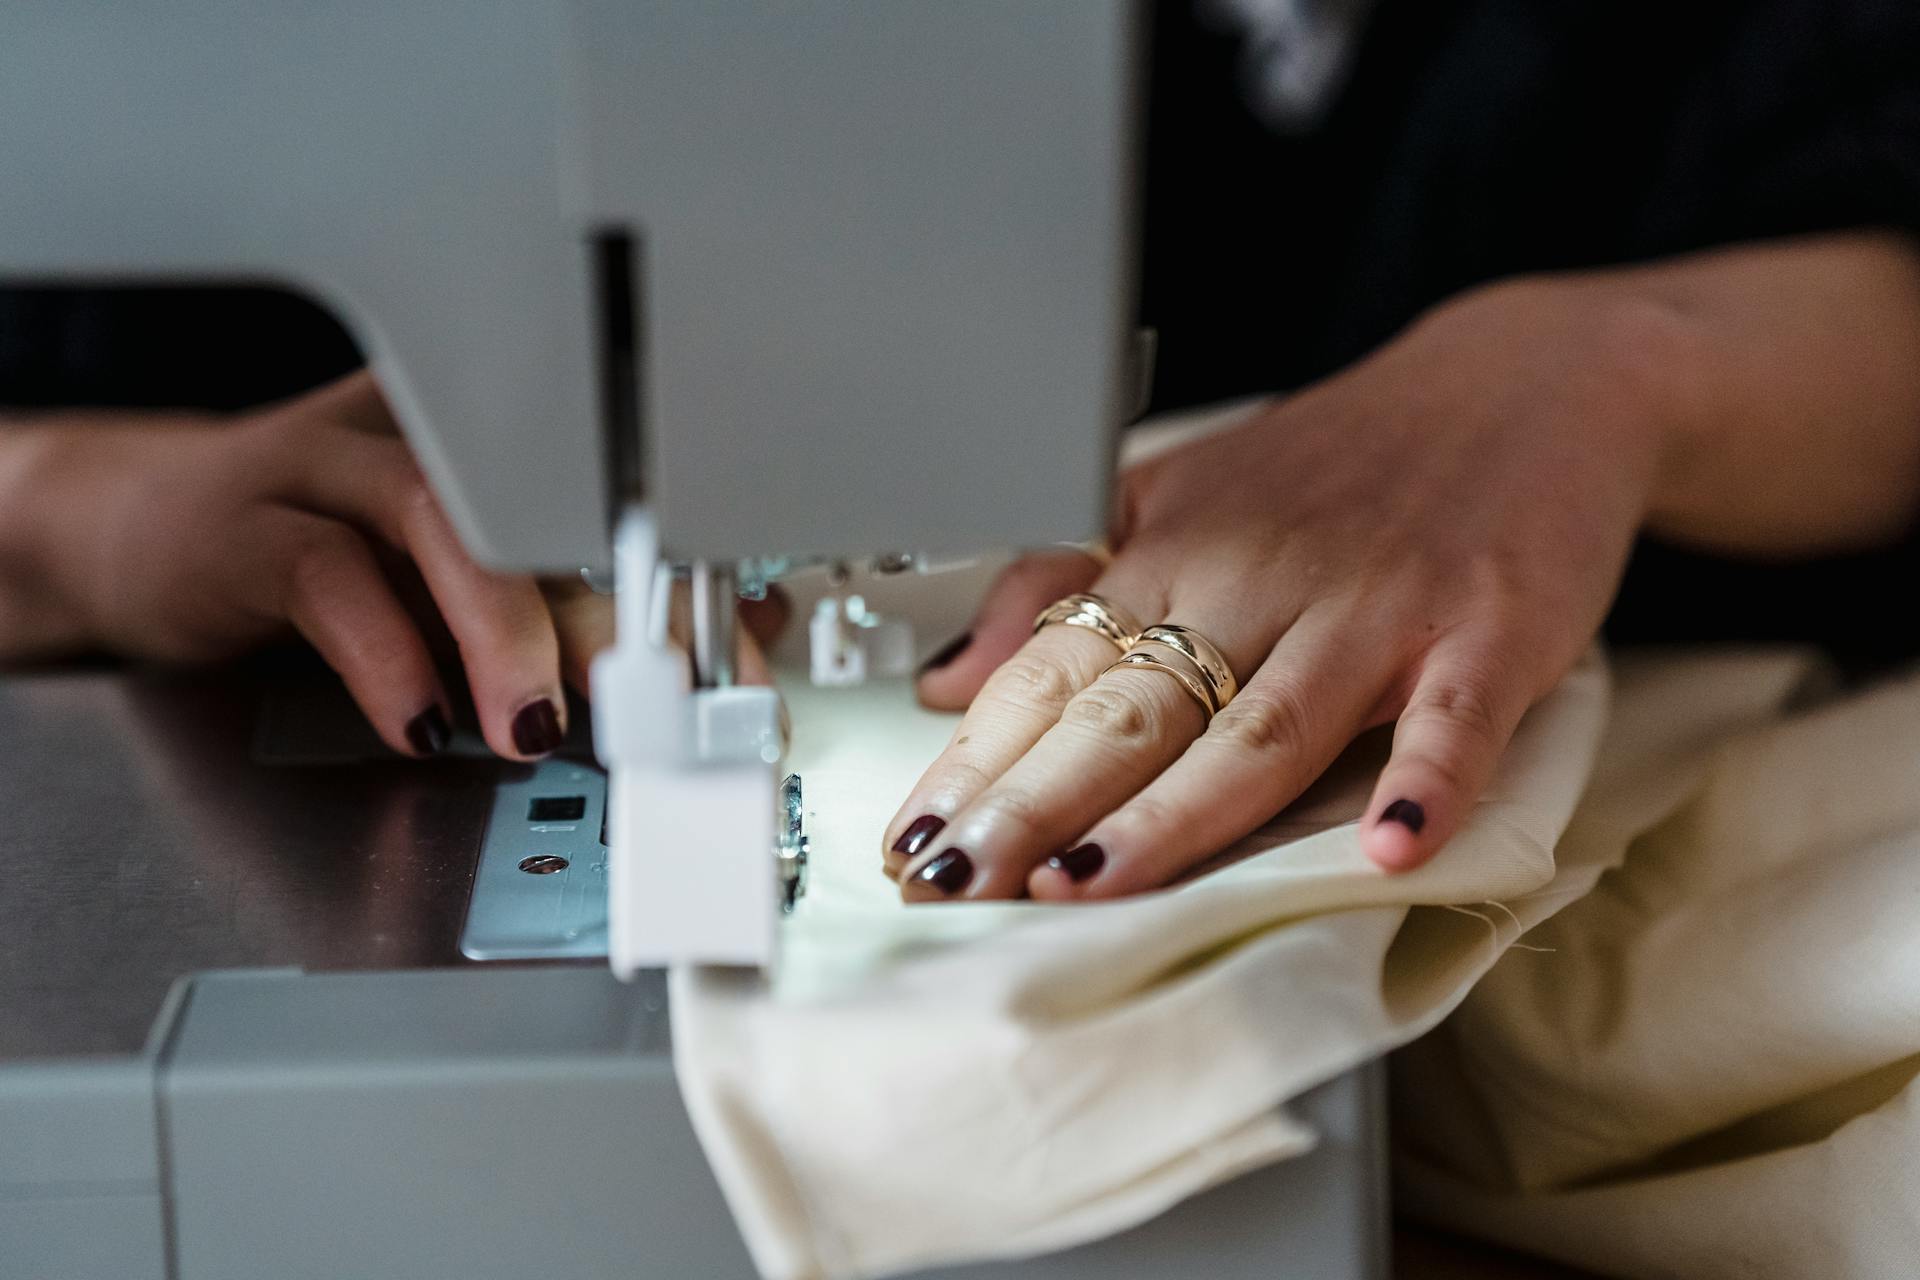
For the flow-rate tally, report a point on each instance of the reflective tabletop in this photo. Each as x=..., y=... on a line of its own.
x=155, y=824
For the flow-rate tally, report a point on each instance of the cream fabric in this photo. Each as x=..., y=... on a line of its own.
x=1060, y=1073
x=1712, y=1072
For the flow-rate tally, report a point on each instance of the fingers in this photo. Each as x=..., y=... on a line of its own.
x=757, y=617
x=1458, y=721
x=766, y=618
x=1021, y=701
x=507, y=638
x=321, y=576
x=1059, y=788
x=583, y=619
x=955, y=674
x=1110, y=740
x=1316, y=690
x=583, y=624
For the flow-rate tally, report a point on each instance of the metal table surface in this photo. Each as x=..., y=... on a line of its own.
x=161, y=823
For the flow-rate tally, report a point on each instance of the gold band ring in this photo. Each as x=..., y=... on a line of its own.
x=1147, y=660
x=1200, y=651
x=1095, y=614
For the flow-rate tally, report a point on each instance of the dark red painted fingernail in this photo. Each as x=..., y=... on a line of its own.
x=948, y=652
x=1080, y=864
x=949, y=873
x=536, y=730
x=428, y=732
x=915, y=837
x=1407, y=813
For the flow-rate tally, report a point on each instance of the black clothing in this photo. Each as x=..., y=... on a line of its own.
x=1478, y=139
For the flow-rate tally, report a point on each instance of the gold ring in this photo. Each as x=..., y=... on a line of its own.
x=1198, y=650
x=1095, y=614
x=1197, y=688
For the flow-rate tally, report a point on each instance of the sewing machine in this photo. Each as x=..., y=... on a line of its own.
x=697, y=293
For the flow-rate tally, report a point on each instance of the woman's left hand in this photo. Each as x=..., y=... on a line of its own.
x=1431, y=538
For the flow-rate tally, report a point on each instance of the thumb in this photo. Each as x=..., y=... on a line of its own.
x=955, y=673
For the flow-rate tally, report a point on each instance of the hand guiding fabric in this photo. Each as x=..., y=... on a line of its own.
x=1332, y=563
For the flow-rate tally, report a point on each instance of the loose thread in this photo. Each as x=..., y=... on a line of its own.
x=1493, y=928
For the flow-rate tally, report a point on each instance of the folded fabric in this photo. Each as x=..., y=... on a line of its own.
x=1712, y=1073
x=1063, y=1072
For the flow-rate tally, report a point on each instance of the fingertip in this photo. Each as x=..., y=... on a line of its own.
x=955, y=674
x=944, y=691
x=767, y=617
x=1396, y=839
x=944, y=877
x=1392, y=851
x=536, y=730
x=905, y=842
x=913, y=891
x=948, y=680
x=943, y=657
x=426, y=735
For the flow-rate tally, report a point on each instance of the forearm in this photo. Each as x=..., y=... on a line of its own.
x=1784, y=386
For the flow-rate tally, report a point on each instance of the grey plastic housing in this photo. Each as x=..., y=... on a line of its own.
x=495, y=1123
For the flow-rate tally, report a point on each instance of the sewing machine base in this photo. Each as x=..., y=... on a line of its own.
x=238, y=1039
x=501, y=1123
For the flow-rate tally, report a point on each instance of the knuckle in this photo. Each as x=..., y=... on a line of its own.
x=413, y=496
x=316, y=563
x=1015, y=810
x=1149, y=818
x=1446, y=771
x=1112, y=714
x=964, y=775
x=1263, y=720
x=1466, y=704
x=1035, y=682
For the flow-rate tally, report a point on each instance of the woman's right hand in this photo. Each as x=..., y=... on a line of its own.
x=190, y=538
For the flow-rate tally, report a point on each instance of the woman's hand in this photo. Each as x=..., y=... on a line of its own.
x=190, y=538
x=1430, y=538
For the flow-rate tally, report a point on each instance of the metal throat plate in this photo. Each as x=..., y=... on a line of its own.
x=540, y=887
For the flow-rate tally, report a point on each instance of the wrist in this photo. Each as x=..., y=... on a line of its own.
x=1624, y=366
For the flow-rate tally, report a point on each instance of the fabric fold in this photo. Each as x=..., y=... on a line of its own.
x=1713, y=1074
x=1061, y=1073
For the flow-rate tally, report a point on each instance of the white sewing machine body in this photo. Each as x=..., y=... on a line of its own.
x=752, y=284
